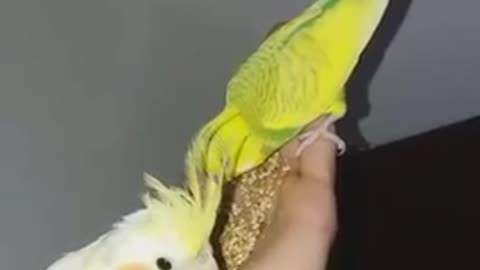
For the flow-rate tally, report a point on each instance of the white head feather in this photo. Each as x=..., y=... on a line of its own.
x=175, y=226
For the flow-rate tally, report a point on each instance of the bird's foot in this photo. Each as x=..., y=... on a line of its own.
x=311, y=136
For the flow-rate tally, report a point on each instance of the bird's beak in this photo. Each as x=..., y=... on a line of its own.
x=134, y=266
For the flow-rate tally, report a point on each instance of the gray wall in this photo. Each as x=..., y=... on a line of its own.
x=94, y=92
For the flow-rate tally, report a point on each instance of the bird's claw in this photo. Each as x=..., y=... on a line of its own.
x=307, y=138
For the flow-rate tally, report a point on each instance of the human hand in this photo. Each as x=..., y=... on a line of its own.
x=303, y=224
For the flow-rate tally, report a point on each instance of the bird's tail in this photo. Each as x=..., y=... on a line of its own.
x=226, y=137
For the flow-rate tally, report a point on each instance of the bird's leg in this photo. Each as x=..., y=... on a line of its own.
x=309, y=137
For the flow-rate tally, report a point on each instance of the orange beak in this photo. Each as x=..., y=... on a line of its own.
x=134, y=266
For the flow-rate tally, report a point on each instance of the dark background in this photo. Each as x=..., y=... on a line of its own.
x=412, y=204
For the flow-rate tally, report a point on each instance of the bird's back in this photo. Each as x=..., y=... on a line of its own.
x=300, y=70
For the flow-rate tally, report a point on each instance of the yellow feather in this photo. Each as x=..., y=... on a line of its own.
x=198, y=201
x=296, y=75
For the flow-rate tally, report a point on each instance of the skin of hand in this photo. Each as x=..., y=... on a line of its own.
x=304, y=221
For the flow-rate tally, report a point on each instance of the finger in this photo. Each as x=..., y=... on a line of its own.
x=287, y=153
x=317, y=161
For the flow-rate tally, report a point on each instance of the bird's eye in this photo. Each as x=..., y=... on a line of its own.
x=164, y=264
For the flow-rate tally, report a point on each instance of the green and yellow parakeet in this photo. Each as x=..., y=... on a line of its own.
x=171, y=232
x=297, y=75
